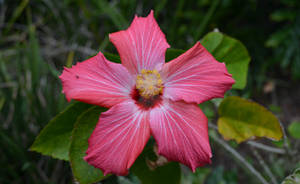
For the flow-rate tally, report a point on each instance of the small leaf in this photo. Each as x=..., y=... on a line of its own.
x=54, y=139
x=293, y=178
x=112, y=57
x=85, y=124
x=168, y=173
x=230, y=51
x=294, y=129
x=242, y=119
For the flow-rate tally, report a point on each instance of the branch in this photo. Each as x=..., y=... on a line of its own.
x=265, y=166
x=239, y=157
x=266, y=148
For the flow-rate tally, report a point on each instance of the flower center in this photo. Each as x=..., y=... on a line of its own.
x=149, y=83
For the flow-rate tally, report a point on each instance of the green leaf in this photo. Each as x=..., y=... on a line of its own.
x=83, y=128
x=35, y=63
x=230, y=51
x=169, y=173
x=294, y=129
x=173, y=53
x=293, y=178
x=54, y=139
x=112, y=57
x=199, y=177
x=242, y=119
x=170, y=54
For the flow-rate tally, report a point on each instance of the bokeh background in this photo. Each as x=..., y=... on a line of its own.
x=39, y=37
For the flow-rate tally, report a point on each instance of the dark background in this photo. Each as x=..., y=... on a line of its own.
x=39, y=37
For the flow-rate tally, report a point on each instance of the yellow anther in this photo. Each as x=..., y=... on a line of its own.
x=149, y=83
x=150, y=87
x=143, y=71
x=139, y=81
x=159, y=82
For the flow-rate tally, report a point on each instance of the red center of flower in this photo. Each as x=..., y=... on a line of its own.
x=149, y=87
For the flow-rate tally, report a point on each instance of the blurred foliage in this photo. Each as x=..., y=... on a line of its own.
x=222, y=176
x=39, y=37
x=294, y=129
x=285, y=40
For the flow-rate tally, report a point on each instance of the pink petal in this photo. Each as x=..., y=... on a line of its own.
x=195, y=76
x=180, y=130
x=118, y=138
x=97, y=81
x=142, y=45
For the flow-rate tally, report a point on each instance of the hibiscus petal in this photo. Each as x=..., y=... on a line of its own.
x=180, y=130
x=195, y=76
x=118, y=139
x=142, y=45
x=97, y=81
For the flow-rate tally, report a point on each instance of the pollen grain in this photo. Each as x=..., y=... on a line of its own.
x=149, y=83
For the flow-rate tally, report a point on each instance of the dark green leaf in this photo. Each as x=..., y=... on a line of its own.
x=173, y=53
x=54, y=139
x=35, y=62
x=283, y=15
x=169, y=173
x=85, y=124
x=112, y=57
x=230, y=51
x=199, y=177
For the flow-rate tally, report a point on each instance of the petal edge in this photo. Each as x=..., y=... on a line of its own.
x=142, y=45
x=195, y=77
x=118, y=139
x=97, y=81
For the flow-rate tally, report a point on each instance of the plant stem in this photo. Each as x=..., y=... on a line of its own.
x=285, y=141
x=265, y=166
x=266, y=148
x=239, y=157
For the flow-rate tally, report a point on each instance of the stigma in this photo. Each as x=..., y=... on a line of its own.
x=149, y=83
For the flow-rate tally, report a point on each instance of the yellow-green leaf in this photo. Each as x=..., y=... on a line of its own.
x=241, y=119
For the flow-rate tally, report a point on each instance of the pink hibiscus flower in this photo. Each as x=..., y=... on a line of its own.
x=147, y=96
